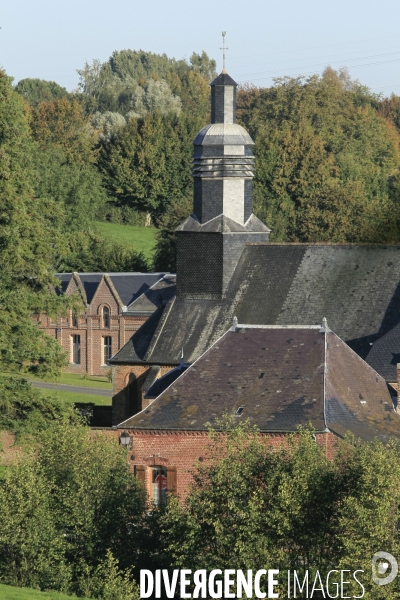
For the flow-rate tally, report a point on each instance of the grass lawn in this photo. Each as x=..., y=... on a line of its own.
x=142, y=239
x=12, y=593
x=69, y=379
x=73, y=397
x=74, y=379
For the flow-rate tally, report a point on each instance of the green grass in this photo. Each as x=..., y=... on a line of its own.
x=74, y=379
x=68, y=379
x=12, y=593
x=142, y=239
x=72, y=397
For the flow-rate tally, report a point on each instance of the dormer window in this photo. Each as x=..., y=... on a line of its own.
x=106, y=317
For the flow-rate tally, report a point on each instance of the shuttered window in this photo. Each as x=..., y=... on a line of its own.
x=140, y=473
x=163, y=482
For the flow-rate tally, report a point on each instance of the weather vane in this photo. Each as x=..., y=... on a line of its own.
x=224, y=48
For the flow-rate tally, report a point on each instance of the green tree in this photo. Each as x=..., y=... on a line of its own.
x=65, y=161
x=74, y=524
x=165, y=249
x=40, y=90
x=324, y=160
x=118, y=84
x=29, y=241
x=148, y=165
x=258, y=505
x=25, y=410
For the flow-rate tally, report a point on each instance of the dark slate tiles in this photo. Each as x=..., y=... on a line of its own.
x=357, y=398
x=275, y=374
x=132, y=285
x=156, y=296
x=384, y=354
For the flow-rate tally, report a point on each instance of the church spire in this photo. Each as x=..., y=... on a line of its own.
x=223, y=99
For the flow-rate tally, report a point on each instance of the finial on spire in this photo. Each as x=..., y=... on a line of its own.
x=224, y=48
x=234, y=323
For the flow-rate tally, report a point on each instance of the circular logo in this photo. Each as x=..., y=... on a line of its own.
x=384, y=568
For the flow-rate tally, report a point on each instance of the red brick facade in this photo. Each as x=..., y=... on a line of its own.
x=179, y=451
x=92, y=328
x=128, y=397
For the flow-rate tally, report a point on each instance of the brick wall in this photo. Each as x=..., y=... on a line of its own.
x=91, y=330
x=183, y=449
x=128, y=398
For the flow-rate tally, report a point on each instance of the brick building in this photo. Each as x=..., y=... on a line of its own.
x=277, y=377
x=281, y=369
x=226, y=267
x=113, y=307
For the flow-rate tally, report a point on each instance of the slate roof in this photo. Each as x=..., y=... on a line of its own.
x=222, y=224
x=159, y=385
x=384, y=354
x=356, y=287
x=155, y=296
x=278, y=378
x=129, y=286
x=223, y=79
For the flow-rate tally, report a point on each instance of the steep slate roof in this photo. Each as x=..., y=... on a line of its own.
x=129, y=286
x=281, y=377
x=160, y=385
x=356, y=287
x=155, y=296
x=385, y=354
x=64, y=279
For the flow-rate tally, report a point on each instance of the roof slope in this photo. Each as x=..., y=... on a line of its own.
x=276, y=374
x=384, y=354
x=277, y=377
x=129, y=286
x=357, y=398
x=356, y=287
x=157, y=295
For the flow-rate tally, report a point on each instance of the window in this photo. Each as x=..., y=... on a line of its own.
x=107, y=346
x=76, y=349
x=163, y=484
x=106, y=317
x=74, y=319
x=159, y=484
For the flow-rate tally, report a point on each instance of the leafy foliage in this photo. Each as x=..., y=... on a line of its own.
x=68, y=524
x=40, y=90
x=324, y=160
x=165, y=249
x=29, y=240
x=23, y=409
x=256, y=505
x=148, y=165
x=65, y=161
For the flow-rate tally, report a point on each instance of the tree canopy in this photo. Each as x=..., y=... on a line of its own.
x=40, y=90
x=326, y=161
x=29, y=241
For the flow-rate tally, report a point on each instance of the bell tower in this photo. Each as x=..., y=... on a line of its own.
x=212, y=239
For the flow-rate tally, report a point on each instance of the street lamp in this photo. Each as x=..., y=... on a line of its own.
x=125, y=439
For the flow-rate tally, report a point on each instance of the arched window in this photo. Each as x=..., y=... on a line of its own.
x=75, y=321
x=106, y=317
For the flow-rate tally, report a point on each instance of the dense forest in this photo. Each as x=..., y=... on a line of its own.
x=119, y=149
